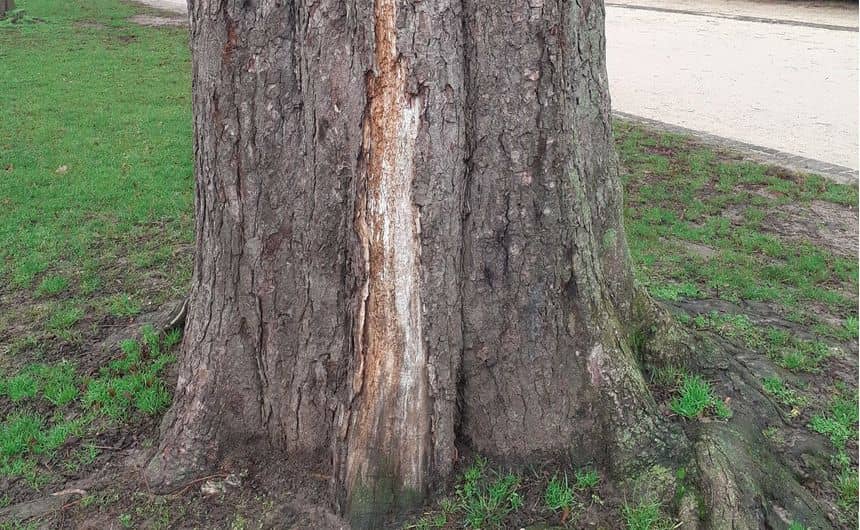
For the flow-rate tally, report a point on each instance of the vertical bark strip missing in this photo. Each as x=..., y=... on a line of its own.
x=389, y=435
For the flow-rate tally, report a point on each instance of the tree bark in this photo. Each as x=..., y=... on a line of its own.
x=6, y=5
x=409, y=240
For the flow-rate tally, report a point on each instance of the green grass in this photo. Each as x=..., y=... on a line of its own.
x=780, y=390
x=122, y=130
x=646, y=515
x=96, y=189
x=788, y=351
x=123, y=305
x=681, y=199
x=64, y=318
x=26, y=434
x=674, y=292
x=847, y=486
x=485, y=497
x=839, y=423
x=558, y=495
x=586, y=478
x=695, y=398
x=131, y=384
x=57, y=384
x=52, y=285
x=96, y=170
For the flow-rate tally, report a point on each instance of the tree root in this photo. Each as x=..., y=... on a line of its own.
x=741, y=482
x=24, y=511
x=658, y=340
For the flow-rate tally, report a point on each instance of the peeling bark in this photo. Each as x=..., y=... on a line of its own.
x=389, y=421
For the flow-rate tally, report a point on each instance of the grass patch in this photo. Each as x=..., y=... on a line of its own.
x=586, y=479
x=784, y=348
x=131, y=384
x=57, y=384
x=697, y=226
x=485, y=497
x=559, y=496
x=839, y=423
x=695, y=398
x=52, y=285
x=123, y=305
x=777, y=388
x=674, y=292
x=64, y=318
x=119, y=137
x=24, y=435
x=646, y=515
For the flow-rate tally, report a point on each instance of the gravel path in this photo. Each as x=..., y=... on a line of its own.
x=176, y=6
x=787, y=84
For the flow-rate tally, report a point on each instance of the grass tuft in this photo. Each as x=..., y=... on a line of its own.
x=558, y=495
x=486, y=501
x=646, y=515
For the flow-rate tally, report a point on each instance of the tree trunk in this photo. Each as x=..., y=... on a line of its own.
x=5, y=6
x=409, y=240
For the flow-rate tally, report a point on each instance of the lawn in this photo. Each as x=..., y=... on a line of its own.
x=96, y=207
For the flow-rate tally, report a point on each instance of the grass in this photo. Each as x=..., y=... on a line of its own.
x=839, y=423
x=96, y=172
x=586, y=478
x=559, y=495
x=780, y=390
x=695, y=398
x=646, y=515
x=52, y=285
x=787, y=350
x=57, y=384
x=695, y=227
x=131, y=384
x=121, y=131
x=486, y=498
x=123, y=305
x=96, y=188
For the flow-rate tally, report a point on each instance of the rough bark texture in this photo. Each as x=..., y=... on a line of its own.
x=408, y=238
x=5, y=6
